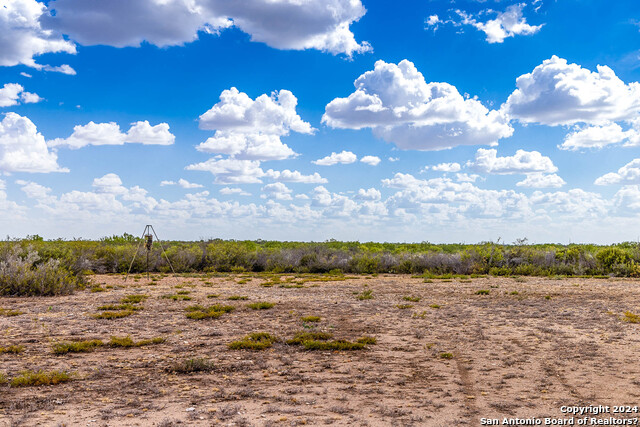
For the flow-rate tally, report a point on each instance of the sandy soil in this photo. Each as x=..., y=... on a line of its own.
x=554, y=343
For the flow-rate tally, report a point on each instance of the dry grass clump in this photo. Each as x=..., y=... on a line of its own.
x=117, y=307
x=311, y=319
x=261, y=305
x=213, y=295
x=237, y=297
x=446, y=355
x=177, y=297
x=630, y=317
x=404, y=306
x=320, y=341
x=254, y=341
x=134, y=299
x=190, y=366
x=482, y=292
x=9, y=313
x=65, y=347
x=113, y=314
x=12, y=349
x=127, y=342
x=32, y=378
x=367, y=294
x=3, y=379
x=412, y=299
x=199, y=312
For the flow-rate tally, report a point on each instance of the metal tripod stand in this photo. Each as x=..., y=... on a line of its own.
x=147, y=238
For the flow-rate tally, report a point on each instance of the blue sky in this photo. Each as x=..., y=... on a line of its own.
x=423, y=120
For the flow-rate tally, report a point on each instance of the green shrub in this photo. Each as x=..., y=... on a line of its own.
x=190, y=366
x=23, y=273
x=65, y=347
x=12, y=349
x=311, y=319
x=261, y=305
x=198, y=312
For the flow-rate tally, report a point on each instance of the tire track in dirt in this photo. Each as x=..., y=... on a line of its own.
x=468, y=390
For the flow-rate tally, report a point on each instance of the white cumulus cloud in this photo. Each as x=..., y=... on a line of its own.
x=506, y=24
x=523, y=162
x=110, y=134
x=559, y=93
x=400, y=107
x=22, y=35
x=447, y=167
x=540, y=180
x=309, y=24
x=23, y=148
x=371, y=160
x=277, y=191
x=230, y=191
x=248, y=129
x=344, y=157
x=627, y=174
x=13, y=94
x=295, y=176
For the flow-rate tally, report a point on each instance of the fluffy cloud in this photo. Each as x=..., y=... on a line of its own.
x=13, y=93
x=400, y=107
x=369, y=194
x=446, y=167
x=295, y=176
x=371, y=160
x=539, y=180
x=312, y=24
x=231, y=171
x=182, y=183
x=110, y=134
x=277, y=191
x=506, y=24
x=22, y=35
x=230, y=191
x=601, y=136
x=23, y=148
x=627, y=174
x=526, y=162
x=344, y=157
x=248, y=129
x=558, y=93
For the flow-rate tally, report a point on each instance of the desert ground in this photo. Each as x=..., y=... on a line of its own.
x=522, y=347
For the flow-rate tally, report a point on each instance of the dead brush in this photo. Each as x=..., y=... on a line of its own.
x=190, y=366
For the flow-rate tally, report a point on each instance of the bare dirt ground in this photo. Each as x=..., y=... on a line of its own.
x=527, y=348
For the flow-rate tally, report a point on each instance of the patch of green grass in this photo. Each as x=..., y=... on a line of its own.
x=368, y=294
x=12, y=349
x=183, y=292
x=289, y=286
x=254, y=341
x=9, y=313
x=427, y=281
x=301, y=337
x=261, y=305
x=199, y=312
x=311, y=319
x=547, y=297
x=404, y=306
x=630, y=317
x=482, y=292
x=421, y=315
x=129, y=342
x=3, y=379
x=514, y=293
x=238, y=297
x=120, y=307
x=412, y=299
x=435, y=306
x=113, y=314
x=367, y=340
x=190, y=366
x=98, y=289
x=213, y=296
x=65, y=347
x=134, y=299
x=446, y=355
x=31, y=378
